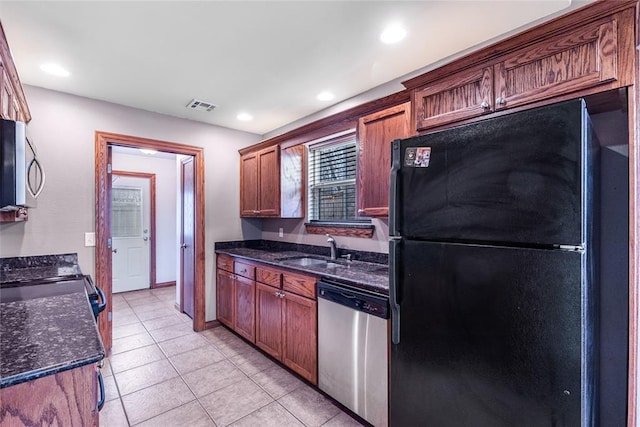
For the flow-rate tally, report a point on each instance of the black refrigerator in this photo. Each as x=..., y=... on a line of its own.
x=492, y=277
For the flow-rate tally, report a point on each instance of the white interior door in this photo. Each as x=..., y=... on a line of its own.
x=130, y=232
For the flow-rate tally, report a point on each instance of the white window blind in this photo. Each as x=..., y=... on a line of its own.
x=332, y=180
x=126, y=208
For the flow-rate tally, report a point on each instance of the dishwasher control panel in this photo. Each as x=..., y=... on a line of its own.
x=374, y=304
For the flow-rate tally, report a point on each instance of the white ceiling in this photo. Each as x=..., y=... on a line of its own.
x=267, y=58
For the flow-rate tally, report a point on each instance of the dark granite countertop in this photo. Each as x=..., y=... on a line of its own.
x=44, y=332
x=371, y=276
x=38, y=267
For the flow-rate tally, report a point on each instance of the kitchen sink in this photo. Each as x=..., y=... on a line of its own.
x=309, y=262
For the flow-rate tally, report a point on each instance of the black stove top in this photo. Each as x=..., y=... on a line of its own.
x=95, y=294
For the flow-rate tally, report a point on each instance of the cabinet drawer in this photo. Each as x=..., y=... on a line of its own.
x=301, y=285
x=268, y=276
x=244, y=270
x=225, y=262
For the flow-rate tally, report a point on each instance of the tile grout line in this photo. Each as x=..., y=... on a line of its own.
x=209, y=343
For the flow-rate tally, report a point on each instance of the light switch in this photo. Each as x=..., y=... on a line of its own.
x=89, y=239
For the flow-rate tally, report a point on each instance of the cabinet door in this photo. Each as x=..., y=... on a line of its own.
x=245, y=308
x=6, y=95
x=375, y=133
x=461, y=96
x=292, y=171
x=300, y=334
x=225, y=298
x=269, y=181
x=582, y=58
x=269, y=320
x=249, y=185
x=68, y=398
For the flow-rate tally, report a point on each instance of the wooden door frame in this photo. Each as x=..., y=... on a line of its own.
x=103, y=140
x=182, y=163
x=152, y=199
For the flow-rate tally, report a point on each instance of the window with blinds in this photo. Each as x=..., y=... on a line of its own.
x=332, y=180
x=126, y=212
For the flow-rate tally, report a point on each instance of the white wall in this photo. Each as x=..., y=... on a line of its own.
x=63, y=127
x=166, y=187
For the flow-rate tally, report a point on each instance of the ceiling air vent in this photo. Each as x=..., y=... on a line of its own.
x=196, y=104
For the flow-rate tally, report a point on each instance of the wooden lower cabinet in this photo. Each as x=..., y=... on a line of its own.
x=225, y=298
x=68, y=398
x=269, y=320
x=277, y=312
x=300, y=338
x=245, y=300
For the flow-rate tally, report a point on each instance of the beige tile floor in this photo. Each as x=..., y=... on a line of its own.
x=161, y=373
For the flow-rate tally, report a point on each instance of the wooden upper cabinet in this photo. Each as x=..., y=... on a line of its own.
x=249, y=184
x=272, y=182
x=589, y=51
x=260, y=183
x=461, y=96
x=6, y=95
x=269, y=181
x=581, y=58
x=292, y=179
x=375, y=133
x=13, y=103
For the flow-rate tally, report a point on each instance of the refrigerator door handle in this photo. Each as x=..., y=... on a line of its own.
x=394, y=288
x=393, y=188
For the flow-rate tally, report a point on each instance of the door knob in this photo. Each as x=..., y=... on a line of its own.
x=183, y=246
x=145, y=238
x=115, y=251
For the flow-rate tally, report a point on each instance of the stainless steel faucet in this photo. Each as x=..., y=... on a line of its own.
x=332, y=244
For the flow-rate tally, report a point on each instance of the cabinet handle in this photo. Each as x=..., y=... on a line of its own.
x=501, y=101
x=484, y=105
x=360, y=211
x=256, y=212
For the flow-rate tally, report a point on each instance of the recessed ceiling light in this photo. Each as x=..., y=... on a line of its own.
x=325, y=96
x=55, y=70
x=245, y=117
x=148, y=151
x=393, y=34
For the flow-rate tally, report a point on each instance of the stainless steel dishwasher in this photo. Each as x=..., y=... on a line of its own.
x=352, y=349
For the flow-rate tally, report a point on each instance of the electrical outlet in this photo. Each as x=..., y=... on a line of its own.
x=281, y=232
x=89, y=239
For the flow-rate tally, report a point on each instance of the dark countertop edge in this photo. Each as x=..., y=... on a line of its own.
x=277, y=246
x=359, y=225
x=306, y=270
x=50, y=370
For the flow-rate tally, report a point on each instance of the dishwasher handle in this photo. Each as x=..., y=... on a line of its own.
x=369, y=303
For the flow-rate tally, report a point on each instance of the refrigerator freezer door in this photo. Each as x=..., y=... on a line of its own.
x=491, y=336
x=517, y=178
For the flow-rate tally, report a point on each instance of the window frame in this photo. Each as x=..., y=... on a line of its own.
x=355, y=227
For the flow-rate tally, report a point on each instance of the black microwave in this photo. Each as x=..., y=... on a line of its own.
x=21, y=175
